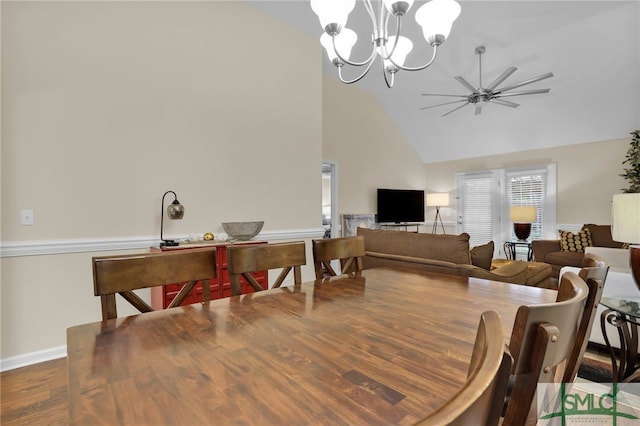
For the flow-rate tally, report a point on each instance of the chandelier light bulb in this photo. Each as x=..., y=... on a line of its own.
x=400, y=53
x=436, y=18
x=344, y=43
x=332, y=13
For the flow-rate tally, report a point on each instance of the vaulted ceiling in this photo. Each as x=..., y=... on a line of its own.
x=592, y=48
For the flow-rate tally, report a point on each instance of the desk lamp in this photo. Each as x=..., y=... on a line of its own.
x=625, y=227
x=522, y=217
x=175, y=210
x=438, y=200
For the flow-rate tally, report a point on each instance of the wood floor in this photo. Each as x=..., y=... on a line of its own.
x=37, y=394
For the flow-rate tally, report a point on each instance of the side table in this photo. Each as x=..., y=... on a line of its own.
x=624, y=314
x=510, y=249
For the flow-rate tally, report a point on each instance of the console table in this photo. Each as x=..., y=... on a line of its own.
x=510, y=249
x=220, y=287
x=624, y=314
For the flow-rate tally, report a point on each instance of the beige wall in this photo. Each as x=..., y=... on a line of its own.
x=106, y=105
x=587, y=176
x=368, y=147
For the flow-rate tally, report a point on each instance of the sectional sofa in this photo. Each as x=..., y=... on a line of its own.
x=446, y=254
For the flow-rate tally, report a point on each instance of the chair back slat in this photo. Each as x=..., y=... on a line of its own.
x=479, y=402
x=349, y=250
x=542, y=340
x=124, y=273
x=245, y=259
x=594, y=271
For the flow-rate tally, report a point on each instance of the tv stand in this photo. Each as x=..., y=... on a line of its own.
x=404, y=225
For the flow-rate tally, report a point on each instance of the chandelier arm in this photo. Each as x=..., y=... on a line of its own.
x=372, y=15
x=386, y=78
x=355, y=64
x=357, y=78
x=384, y=52
x=433, y=58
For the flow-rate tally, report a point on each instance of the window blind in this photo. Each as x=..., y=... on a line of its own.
x=476, y=217
x=528, y=188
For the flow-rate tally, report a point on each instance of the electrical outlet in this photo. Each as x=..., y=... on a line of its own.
x=26, y=217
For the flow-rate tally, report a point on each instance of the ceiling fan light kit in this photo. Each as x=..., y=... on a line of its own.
x=435, y=17
x=492, y=93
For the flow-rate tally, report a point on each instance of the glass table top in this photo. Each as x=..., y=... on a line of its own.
x=629, y=305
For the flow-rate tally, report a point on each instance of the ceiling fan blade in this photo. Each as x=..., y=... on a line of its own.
x=502, y=78
x=466, y=84
x=522, y=92
x=522, y=83
x=446, y=103
x=455, y=109
x=478, y=108
x=505, y=103
x=440, y=94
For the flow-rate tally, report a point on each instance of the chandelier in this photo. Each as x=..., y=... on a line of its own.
x=435, y=17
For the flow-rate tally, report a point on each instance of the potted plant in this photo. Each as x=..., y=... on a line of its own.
x=632, y=159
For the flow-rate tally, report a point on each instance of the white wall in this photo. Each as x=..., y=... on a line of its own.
x=106, y=105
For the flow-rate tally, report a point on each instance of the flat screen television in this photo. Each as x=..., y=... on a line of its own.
x=400, y=205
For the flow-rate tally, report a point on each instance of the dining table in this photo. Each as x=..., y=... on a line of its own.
x=379, y=347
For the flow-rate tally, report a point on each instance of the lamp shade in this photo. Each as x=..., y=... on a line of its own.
x=344, y=42
x=175, y=210
x=332, y=11
x=625, y=218
x=523, y=214
x=400, y=53
x=436, y=18
x=438, y=199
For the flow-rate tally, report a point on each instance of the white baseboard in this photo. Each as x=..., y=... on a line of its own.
x=23, y=360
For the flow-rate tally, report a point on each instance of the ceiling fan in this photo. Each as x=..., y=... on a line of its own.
x=491, y=93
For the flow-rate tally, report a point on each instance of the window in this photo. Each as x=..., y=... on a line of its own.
x=478, y=207
x=527, y=189
x=484, y=200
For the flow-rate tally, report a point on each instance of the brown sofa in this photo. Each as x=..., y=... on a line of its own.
x=441, y=253
x=551, y=251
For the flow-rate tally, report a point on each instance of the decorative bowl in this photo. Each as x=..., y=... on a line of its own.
x=242, y=231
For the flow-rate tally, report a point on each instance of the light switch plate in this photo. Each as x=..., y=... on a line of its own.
x=26, y=217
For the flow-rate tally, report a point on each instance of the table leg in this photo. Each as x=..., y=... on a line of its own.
x=626, y=369
x=612, y=353
x=510, y=251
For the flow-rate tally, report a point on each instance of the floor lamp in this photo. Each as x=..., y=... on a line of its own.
x=437, y=200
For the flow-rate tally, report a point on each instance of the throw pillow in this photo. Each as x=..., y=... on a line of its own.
x=575, y=242
x=481, y=256
x=601, y=236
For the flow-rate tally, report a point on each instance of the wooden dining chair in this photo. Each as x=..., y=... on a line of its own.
x=594, y=272
x=479, y=401
x=122, y=274
x=542, y=341
x=245, y=259
x=349, y=250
